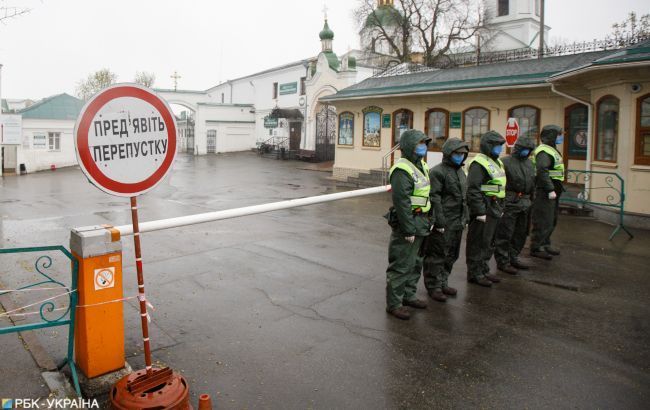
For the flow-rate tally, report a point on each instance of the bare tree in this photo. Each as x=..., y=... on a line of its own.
x=390, y=24
x=631, y=27
x=95, y=82
x=9, y=12
x=145, y=78
x=430, y=27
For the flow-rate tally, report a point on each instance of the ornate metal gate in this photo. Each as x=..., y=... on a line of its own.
x=325, y=133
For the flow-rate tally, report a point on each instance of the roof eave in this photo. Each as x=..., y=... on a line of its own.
x=436, y=92
x=594, y=67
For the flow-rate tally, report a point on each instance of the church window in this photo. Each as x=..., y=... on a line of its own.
x=504, y=6
x=275, y=90
x=476, y=122
x=642, y=151
x=303, y=86
x=346, y=128
x=437, y=127
x=371, y=127
x=606, y=128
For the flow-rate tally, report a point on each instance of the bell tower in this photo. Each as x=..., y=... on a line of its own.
x=512, y=24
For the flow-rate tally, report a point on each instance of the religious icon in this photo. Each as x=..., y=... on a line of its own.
x=346, y=129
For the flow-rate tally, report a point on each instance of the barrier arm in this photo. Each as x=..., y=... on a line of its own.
x=249, y=210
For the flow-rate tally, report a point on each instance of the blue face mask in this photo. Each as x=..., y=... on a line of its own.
x=497, y=150
x=421, y=150
x=457, y=158
x=559, y=139
x=524, y=152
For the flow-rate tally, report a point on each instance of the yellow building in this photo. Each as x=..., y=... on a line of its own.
x=601, y=99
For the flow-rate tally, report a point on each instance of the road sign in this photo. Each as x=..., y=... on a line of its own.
x=104, y=278
x=512, y=132
x=125, y=139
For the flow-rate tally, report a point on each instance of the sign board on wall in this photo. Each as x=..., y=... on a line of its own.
x=39, y=141
x=288, y=88
x=11, y=129
x=125, y=139
x=385, y=121
x=270, y=122
x=455, y=119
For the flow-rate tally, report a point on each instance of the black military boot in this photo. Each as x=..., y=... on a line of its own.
x=538, y=253
x=492, y=278
x=449, y=291
x=509, y=269
x=552, y=250
x=401, y=312
x=518, y=264
x=437, y=295
x=481, y=281
x=416, y=303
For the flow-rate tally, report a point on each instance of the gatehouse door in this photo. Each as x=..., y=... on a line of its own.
x=325, y=133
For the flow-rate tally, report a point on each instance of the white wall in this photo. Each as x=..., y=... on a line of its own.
x=239, y=118
x=37, y=159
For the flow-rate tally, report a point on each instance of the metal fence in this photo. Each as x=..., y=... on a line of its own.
x=49, y=315
x=599, y=188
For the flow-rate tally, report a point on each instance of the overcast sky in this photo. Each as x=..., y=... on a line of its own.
x=60, y=42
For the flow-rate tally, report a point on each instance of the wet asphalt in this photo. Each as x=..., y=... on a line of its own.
x=286, y=309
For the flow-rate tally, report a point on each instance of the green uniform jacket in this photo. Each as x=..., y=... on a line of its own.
x=449, y=190
x=478, y=202
x=544, y=163
x=402, y=188
x=520, y=174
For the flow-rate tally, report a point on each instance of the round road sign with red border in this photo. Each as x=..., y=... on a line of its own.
x=125, y=139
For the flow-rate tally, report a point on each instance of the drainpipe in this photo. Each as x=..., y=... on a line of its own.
x=303, y=143
x=590, y=116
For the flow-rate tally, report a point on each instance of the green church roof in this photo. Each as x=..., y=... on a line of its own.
x=57, y=107
x=384, y=16
x=326, y=33
x=333, y=60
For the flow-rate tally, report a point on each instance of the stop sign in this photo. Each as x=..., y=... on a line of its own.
x=512, y=132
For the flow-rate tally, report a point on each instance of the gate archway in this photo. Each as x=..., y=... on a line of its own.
x=325, y=133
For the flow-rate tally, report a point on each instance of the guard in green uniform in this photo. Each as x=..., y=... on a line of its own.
x=512, y=230
x=409, y=218
x=486, y=190
x=550, y=175
x=449, y=205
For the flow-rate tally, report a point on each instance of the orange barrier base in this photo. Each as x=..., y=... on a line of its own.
x=99, y=329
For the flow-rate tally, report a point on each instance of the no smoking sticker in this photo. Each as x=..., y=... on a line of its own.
x=104, y=278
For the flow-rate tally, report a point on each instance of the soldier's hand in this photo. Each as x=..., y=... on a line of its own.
x=440, y=230
x=410, y=239
x=552, y=195
x=482, y=218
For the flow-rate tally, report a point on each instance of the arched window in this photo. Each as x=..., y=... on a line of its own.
x=575, y=131
x=642, y=151
x=476, y=122
x=402, y=121
x=371, y=127
x=437, y=127
x=606, y=129
x=528, y=119
x=346, y=128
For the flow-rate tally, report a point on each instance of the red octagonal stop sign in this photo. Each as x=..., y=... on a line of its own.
x=512, y=132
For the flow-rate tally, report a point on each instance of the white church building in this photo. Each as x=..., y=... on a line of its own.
x=276, y=106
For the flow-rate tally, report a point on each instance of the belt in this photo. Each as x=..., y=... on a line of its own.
x=519, y=194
